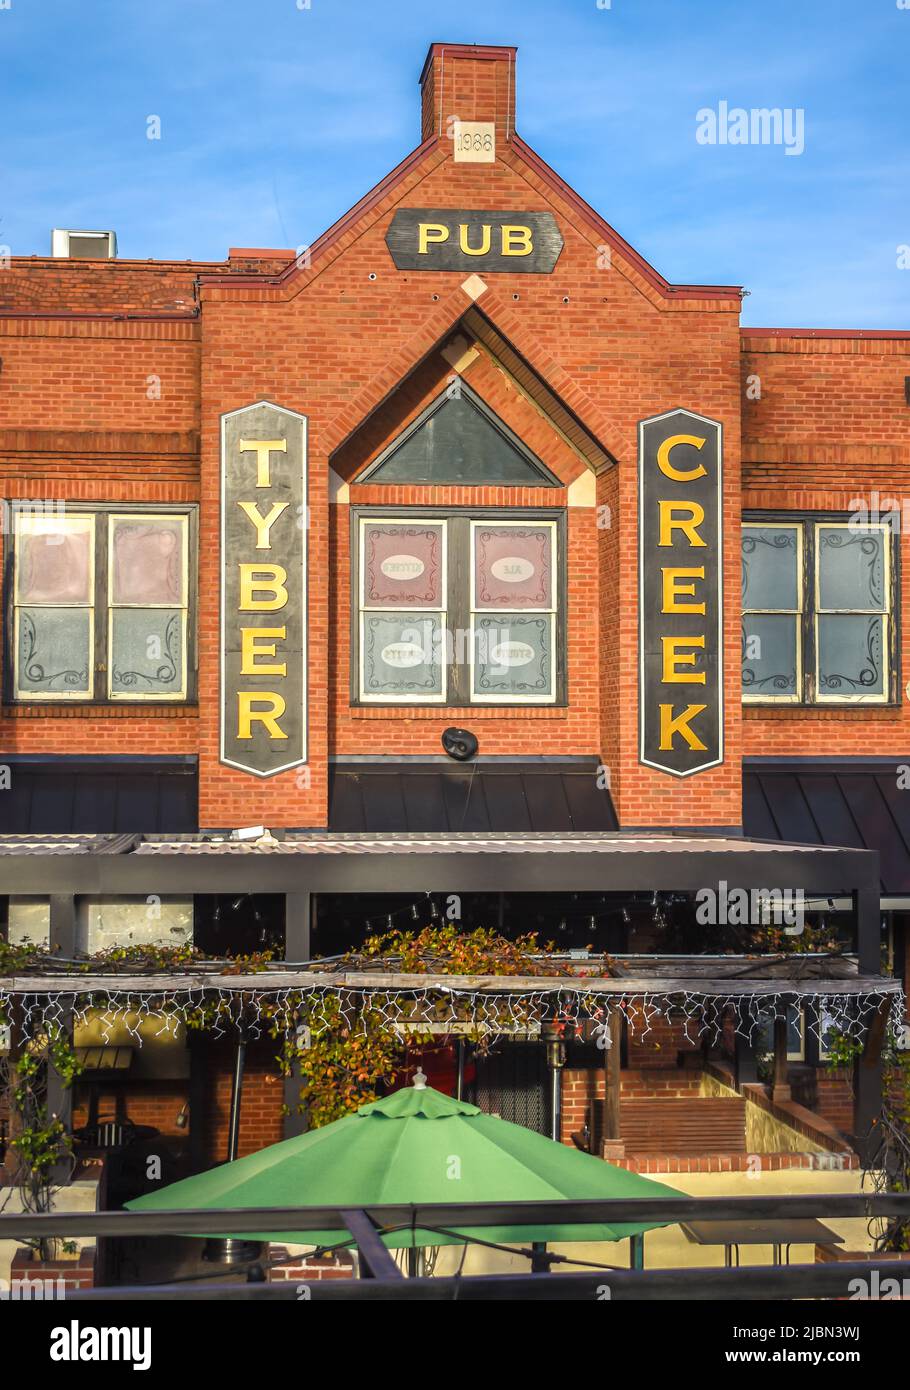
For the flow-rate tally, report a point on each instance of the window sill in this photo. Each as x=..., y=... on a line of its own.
x=48, y=709
x=756, y=710
x=464, y=713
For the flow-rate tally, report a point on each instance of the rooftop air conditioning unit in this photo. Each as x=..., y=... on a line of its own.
x=84, y=245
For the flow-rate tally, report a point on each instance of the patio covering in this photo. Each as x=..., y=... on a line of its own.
x=299, y=864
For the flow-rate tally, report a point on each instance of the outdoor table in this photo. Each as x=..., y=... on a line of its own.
x=779, y=1234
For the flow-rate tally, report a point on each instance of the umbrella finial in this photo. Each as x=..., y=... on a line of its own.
x=420, y=1080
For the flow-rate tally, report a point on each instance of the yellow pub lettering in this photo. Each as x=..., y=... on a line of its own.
x=466, y=239
x=680, y=593
x=263, y=608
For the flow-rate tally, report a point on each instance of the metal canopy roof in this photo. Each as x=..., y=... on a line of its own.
x=853, y=802
x=396, y=863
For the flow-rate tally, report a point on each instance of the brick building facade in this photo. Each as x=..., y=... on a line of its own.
x=116, y=380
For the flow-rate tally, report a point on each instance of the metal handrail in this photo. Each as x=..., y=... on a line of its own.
x=457, y=1215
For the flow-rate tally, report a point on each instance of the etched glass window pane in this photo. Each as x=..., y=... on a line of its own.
x=769, y=654
x=513, y=566
x=851, y=654
x=146, y=656
x=402, y=654
x=147, y=561
x=403, y=565
x=513, y=656
x=54, y=560
x=851, y=568
x=53, y=651
x=770, y=567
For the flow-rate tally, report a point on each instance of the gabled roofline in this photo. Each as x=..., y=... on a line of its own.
x=873, y=333
x=337, y=230
x=543, y=170
x=628, y=253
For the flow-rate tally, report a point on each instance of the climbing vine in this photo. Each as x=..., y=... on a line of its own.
x=888, y=1165
x=342, y=1067
x=40, y=1142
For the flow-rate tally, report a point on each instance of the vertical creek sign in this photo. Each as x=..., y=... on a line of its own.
x=263, y=588
x=680, y=593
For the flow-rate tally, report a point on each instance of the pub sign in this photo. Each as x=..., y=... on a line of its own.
x=448, y=239
x=263, y=588
x=680, y=592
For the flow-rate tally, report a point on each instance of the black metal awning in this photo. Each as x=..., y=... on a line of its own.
x=438, y=795
x=857, y=803
x=99, y=794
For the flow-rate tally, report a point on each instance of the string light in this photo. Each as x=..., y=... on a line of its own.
x=257, y=1011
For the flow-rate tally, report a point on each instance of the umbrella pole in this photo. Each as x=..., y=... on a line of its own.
x=236, y=1092
x=233, y=1249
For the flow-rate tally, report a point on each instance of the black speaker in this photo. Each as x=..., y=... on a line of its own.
x=460, y=744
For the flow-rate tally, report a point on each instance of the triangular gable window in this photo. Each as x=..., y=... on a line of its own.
x=458, y=439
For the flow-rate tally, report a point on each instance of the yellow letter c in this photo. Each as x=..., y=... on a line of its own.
x=677, y=474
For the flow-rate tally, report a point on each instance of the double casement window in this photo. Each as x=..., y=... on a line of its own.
x=818, y=611
x=458, y=609
x=99, y=604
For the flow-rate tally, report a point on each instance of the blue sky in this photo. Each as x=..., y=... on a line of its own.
x=275, y=119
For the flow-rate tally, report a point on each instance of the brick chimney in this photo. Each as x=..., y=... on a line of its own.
x=471, y=83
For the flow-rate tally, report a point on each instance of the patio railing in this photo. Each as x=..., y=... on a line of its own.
x=381, y=1278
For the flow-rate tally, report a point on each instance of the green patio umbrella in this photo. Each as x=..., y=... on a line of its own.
x=416, y=1145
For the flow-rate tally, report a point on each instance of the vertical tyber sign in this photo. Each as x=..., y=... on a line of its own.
x=680, y=465
x=263, y=588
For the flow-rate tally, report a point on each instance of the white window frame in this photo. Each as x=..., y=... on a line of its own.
x=768, y=697
x=855, y=697
x=53, y=523
x=155, y=697
x=552, y=610
x=364, y=608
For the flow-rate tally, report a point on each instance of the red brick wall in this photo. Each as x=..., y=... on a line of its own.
x=261, y=1120
x=581, y=1086
x=158, y=1103
x=155, y=1103
x=65, y=1274
x=832, y=426
x=834, y=1098
x=659, y=1044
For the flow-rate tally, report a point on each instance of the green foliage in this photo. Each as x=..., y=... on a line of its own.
x=40, y=1140
x=842, y=1050
x=19, y=959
